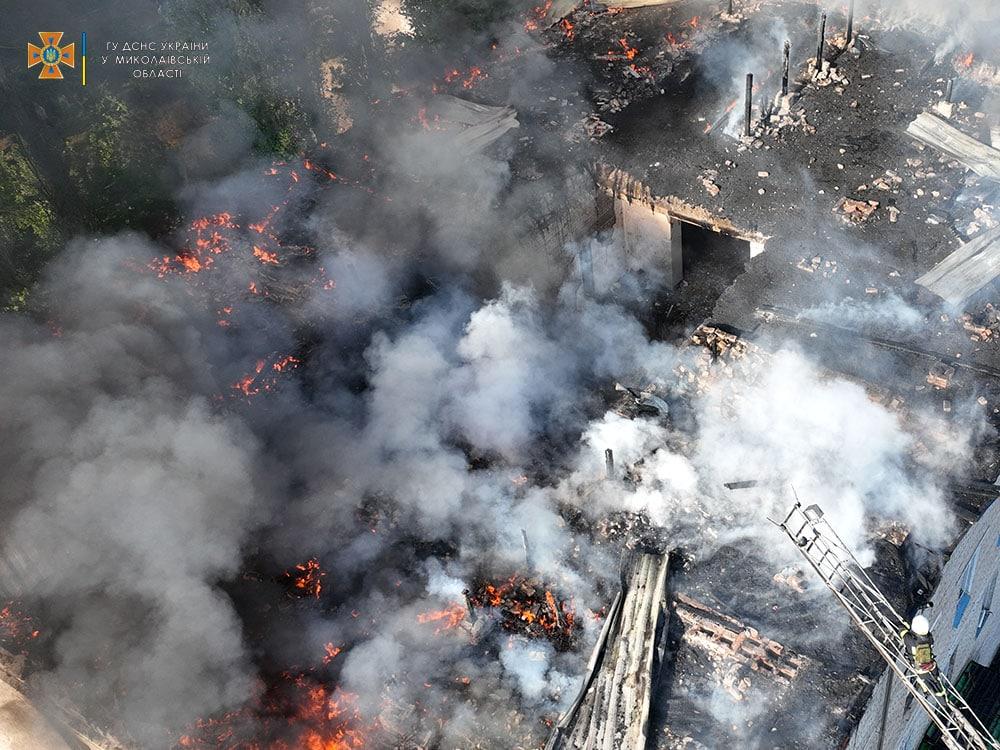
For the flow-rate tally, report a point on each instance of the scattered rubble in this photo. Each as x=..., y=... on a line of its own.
x=940, y=375
x=736, y=649
x=792, y=576
x=855, y=211
x=708, y=178
x=595, y=127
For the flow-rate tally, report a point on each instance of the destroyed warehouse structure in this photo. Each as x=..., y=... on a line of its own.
x=767, y=171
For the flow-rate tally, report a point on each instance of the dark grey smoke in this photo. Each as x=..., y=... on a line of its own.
x=443, y=389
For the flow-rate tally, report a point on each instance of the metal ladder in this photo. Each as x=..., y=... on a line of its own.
x=882, y=625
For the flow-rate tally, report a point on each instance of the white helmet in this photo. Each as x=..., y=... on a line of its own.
x=920, y=626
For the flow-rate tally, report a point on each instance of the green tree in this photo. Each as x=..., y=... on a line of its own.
x=440, y=22
x=116, y=167
x=28, y=235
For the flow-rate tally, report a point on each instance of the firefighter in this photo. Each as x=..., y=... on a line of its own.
x=919, y=646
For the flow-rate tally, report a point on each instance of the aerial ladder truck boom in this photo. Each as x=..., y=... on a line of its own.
x=883, y=626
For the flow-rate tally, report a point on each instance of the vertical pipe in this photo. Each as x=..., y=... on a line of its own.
x=730, y=11
x=528, y=561
x=950, y=90
x=819, y=43
x=784, y=67
x=850, y=23
x=749, y=105
x=609, y=463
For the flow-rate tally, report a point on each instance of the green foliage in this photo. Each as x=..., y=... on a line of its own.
x=439, y=22
x=282, y=125
x=28, y=235
x=113, y=167
x=250, y=67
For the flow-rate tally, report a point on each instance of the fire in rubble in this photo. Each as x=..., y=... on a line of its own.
x=468, y=78
x=537, y=15
x=306, y=578
x=299, y=712
x=444, y=619
x=210, y=240
x=265, y=374
x=528, y=608
x=17, y=628
x=569, y=33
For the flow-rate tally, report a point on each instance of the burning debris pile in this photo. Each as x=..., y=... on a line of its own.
x=17, y=628
x=298, y=712
x=525, y=607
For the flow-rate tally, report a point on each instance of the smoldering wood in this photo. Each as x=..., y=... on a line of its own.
x=749, y=105
x=938, y=133
x=820, y=42
x=785, y=55
x=611, y=712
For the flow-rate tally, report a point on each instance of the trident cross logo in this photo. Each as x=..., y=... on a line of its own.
x=50, y=55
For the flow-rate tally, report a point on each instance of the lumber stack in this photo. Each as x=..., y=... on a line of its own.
x=612, y=709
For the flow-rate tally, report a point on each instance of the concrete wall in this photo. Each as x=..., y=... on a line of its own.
x=954, y=646
x=642, y=239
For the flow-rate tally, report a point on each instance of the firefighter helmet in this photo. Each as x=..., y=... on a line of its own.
x=920, y=626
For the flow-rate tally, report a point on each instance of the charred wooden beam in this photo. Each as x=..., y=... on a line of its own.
x=820, y=42
x=611, y=711
x=786, y=53
x=940, y=134
x=850, y=24
x=749, y=106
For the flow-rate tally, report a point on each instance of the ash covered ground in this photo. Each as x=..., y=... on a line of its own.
x=307, y=395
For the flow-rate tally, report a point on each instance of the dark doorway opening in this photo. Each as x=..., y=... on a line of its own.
x=712, y=261
x=713, y=253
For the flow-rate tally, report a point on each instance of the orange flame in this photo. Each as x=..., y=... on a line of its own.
x=536, y=15
x=297, y=714
x=309, y=578
x=255, y=382
x=567, y=26
x=526, y=609
x=264, y=256
x=16, y=626
x=331, y=652
x=448, y=618
x=630, y=51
